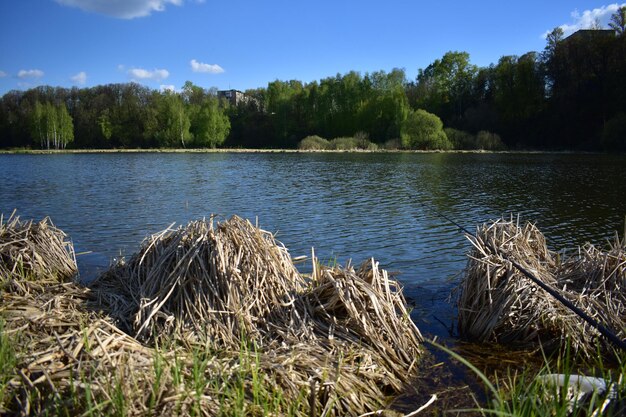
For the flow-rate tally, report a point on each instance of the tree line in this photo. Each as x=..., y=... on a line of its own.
x=113, y=116
x=568, y=96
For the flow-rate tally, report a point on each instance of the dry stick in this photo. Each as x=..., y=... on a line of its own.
x=433, y=398
x=595, y=324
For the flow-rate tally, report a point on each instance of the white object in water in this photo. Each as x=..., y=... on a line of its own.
x=578, y=387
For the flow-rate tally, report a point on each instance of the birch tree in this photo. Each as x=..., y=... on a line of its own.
x=174, y=121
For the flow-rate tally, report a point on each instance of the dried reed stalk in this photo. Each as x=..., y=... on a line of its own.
x=498, y=303
x=35, y=249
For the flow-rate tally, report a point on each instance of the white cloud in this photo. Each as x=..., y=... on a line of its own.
x=3, y=74
x=122, y=9
x=80, y=78
x=207, y=68
x=139, y=74
x=167, y=87
x=588, y=18
x=32, y=74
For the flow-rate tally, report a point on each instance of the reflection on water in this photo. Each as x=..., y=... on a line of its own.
x=347, y=206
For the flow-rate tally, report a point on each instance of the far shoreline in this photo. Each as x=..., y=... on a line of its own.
x=270, y=150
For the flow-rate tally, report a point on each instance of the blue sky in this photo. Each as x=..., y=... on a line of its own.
x=245, y=44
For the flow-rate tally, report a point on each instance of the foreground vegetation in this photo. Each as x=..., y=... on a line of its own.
x=567, y=97
x=214, y=319
x=499, y=304
x=561, y=384
x=176, y=381
x=204, y=320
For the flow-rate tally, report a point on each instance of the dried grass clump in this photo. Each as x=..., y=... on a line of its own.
x=203, y=282
x=364, y=307
x=598, y=278
x=344, y=335
x=75, y=361
x=224, y=324
x=35, y=249
x=498, y=303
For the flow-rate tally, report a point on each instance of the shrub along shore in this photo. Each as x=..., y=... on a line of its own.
x=214, y=319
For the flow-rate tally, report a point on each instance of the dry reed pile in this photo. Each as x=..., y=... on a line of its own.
x=209, y=284
x=498, y=303
x=217, y=285
x=64, y=347
x=37, y=249
x=73, y=360
x=232, y=310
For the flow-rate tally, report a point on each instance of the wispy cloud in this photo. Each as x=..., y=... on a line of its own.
x=206, y=68
x=80, y=78
x=3, y=74
x=588, y=18
x=140, y=74
x=121, y=9
x=30, y=74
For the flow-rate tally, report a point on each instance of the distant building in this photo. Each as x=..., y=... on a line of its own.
x=589, y=34
x=236, y=97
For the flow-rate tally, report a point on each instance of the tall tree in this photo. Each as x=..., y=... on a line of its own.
x=444, y=86
x=618, y=21
x=174, y=123
x=553, y=39
x=65, y=127
x=37, y=127
x=210, y=124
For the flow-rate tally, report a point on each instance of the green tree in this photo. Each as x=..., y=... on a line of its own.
x=618, y=21
x=423, y=130
x=552, y=41
x=518, y=96
x=193, y=94
x=51, y=125
x=210, y=124
x=104, y=122
x=37, y=128
x=286, y=106
x=444, y=86
x=174, y=121
x=65, y=127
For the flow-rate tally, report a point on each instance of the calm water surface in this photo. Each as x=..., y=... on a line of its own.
x=346, y=206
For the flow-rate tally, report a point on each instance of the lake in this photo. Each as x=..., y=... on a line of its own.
x=345, y=205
